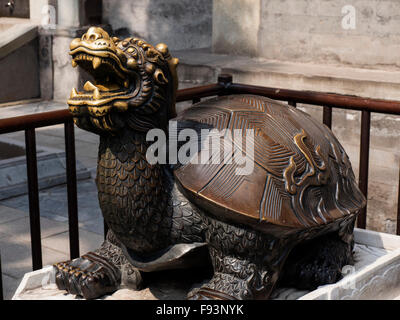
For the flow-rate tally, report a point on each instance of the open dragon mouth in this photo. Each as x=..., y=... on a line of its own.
x=111, y=85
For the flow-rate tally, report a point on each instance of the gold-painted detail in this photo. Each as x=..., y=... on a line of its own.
x=127, y=74
x=289, y=173
x=121, y=106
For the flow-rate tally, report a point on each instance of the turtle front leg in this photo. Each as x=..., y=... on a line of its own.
x=97, y=273
x=246, y=264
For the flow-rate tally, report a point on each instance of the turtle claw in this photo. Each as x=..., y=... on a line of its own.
x=89, y=276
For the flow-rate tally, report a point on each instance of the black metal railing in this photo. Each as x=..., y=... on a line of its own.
x=28, y=124
x=1, y=282
x=224, y=86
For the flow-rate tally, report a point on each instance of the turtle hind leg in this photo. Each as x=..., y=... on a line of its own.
x=319, y=261
x=246, y=263
x=233, y=279
x=97, y=273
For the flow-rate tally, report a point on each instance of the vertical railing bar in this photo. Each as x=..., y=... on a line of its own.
x=1, y=283
x=71, y=189
x=33, y=193
x=327, y=117
x=364, y=164
x=105, y=229
x=225, y=79
x=398, y=206
x=292, y=103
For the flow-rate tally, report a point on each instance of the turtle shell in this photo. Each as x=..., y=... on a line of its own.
x=301, y=176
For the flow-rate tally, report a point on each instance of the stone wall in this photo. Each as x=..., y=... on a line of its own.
x=363, y=33
x=181, y=24
x=20, y=73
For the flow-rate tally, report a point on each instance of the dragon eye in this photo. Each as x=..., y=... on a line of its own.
x=132, y=51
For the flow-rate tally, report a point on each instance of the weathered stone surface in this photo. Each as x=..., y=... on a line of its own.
x=235, y=26
x=313, y=30
x=46, y=66
x=68, y=13
x=65, y=77
x=178, y=23
x=20, y=73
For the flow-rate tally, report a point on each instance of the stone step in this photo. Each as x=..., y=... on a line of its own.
x=199, y=66
x=51, y=168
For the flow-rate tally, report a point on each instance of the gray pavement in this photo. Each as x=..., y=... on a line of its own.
x=15, y=244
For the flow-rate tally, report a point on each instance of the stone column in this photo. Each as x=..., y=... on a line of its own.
x=36, y=10
x=68, y=13
x=43, y=13
x=68, y=28
x=235, y=26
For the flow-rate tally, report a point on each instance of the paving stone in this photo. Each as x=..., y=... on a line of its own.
x=19, y=229
x=88, y=241
x=30, y=108
x=51, y=171
x=8, y=214
x=16, y=257
x=95, y=225
x=3, y=235
x=53, y=202
x=53, y=216
x=83, y=135
x=20, y=202
x=10, y=284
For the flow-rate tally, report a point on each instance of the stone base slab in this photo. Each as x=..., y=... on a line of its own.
x=375, y=275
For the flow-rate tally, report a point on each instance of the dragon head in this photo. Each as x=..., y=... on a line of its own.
x=134, y=83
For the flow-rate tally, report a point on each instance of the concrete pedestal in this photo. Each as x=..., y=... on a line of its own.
x=375, y=275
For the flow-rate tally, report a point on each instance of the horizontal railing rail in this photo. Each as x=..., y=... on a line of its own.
x=320, y=99
x=224, y=86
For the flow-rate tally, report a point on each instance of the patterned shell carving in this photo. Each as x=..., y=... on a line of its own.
x=302, y=177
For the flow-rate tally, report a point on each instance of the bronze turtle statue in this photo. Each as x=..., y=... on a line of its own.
x=289, y=219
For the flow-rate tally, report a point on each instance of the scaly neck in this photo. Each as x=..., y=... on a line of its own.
x=132, y=192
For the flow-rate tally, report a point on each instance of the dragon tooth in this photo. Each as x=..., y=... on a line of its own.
x=74, y=63
x=74, y=93
x=96, y=62
x=96, y=94
x=89, y=86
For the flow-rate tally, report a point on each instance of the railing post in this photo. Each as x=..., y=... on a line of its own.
x=292, y=103
x=71, y=189
x=226, y=80
x=364, y=164
x=33, y=192
x=105, y=229
x=398, y=206
x=327, y=117
x=1, y=283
